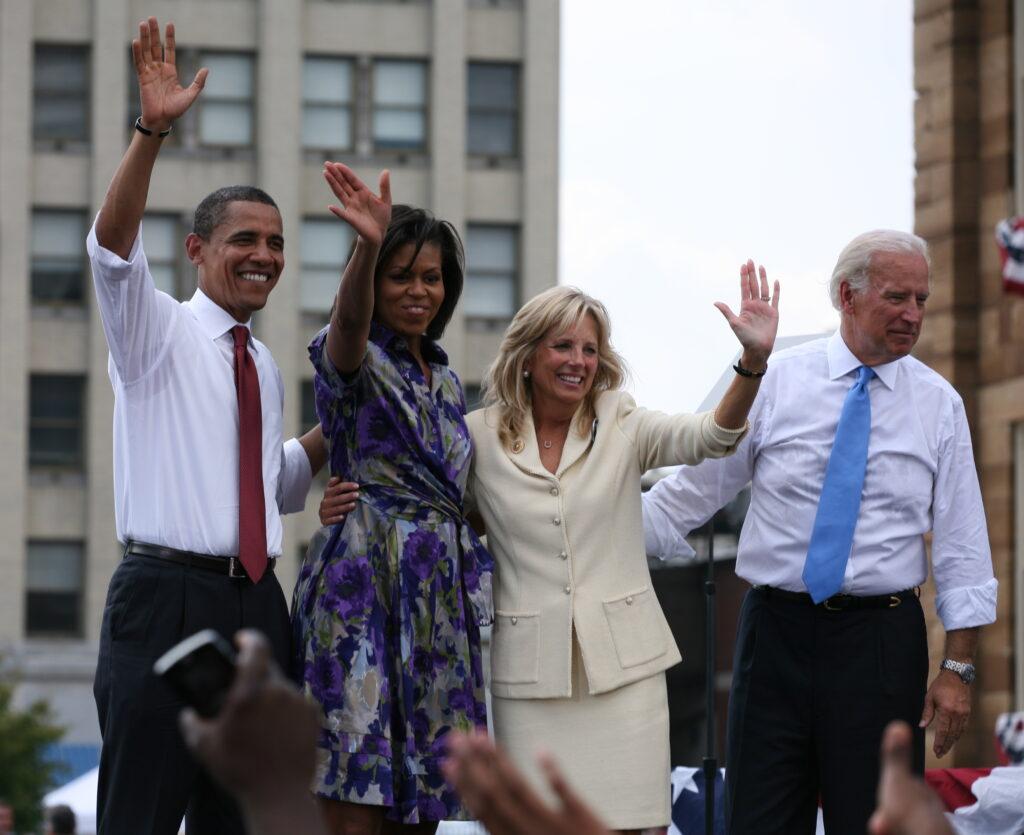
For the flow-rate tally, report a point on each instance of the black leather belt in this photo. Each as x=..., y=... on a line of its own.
x=231, y=566
x=843, y=602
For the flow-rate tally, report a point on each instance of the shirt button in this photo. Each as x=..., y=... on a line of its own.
x=563, y=556
x=568, y=589
x=556, y=521
x=554, y=491
x=629, y=601
x=515, y=620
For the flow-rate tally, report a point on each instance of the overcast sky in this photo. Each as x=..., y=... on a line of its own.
x=698, y=133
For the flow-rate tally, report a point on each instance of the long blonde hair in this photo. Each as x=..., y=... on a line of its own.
x=557, y=309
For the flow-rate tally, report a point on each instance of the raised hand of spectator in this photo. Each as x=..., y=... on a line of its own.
x=261, y=746
x=499, y=795
x=906, y=806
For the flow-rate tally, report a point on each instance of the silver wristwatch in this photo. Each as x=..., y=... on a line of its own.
x=961, y=668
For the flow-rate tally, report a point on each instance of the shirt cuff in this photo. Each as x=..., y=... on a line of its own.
x=964, y=608
x=296, y=477
x=114, y=264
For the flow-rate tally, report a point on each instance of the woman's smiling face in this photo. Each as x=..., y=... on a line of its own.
x=562, y=368
x=408, y=296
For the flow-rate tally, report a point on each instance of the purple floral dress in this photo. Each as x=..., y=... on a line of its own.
x=388, y=605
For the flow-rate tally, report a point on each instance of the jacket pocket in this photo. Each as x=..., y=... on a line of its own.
x=515, y=648
x=635, y=623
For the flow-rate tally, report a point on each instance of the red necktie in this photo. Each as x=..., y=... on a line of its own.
x=252, y=513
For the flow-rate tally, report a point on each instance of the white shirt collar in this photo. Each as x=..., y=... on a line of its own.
x=841, y=362
x=214, y=319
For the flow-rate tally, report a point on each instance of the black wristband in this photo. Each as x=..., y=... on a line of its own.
x=746, y=372
x=147, y=131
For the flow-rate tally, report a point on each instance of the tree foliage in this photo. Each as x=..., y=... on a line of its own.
x=25, y=772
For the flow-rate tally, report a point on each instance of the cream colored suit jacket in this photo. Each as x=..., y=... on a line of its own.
x=569, y=546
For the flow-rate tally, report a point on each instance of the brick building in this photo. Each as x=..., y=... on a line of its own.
x=969, y=129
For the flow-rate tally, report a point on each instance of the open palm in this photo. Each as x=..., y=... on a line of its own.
x=758, y=320
x=367, y=213
x=162, y=96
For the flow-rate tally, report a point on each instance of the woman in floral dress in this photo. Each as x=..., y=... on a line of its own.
x=388, y=605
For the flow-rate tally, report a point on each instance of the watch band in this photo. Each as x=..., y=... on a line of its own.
x=961, y=668
x=147, y=132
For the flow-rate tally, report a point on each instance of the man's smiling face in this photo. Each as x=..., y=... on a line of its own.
x=243, y=258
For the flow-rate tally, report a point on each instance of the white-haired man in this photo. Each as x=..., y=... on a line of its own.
x=856, y=451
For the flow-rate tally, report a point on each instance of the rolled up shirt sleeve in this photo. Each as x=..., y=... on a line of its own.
x=296, y=477
x=961, y=557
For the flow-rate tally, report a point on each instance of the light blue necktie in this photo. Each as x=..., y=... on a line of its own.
x=839, y=505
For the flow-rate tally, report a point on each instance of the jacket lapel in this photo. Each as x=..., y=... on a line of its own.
x=528, y=458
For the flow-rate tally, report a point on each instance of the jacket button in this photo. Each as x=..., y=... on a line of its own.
x=568, y=589
x=554, y=491
x=515, y=620
x=556, y=521
x=563, y=556
x=629, y=601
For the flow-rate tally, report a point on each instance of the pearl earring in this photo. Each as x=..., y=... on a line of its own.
x=526, y=375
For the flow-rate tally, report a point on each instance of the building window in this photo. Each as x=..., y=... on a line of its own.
x=399, y=105
x=53, y=588
x=58, y=257
x=226, y=103
x=325, y=246
x=161, y=237
x=492, y=268
x=56, y=421
x=492, y=123
x=327, y=85
x=60, y=93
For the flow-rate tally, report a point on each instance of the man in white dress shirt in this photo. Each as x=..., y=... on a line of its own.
x=815, y=685
x=197, y=446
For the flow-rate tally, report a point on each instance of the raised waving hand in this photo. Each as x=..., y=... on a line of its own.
x=367, y=213
x=162, y=96
x=758, y=320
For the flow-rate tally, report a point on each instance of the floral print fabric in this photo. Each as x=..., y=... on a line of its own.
x=388, y=605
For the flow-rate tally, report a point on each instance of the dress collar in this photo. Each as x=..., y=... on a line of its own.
x=387, y=339
x=841, y=362
x=214, y=320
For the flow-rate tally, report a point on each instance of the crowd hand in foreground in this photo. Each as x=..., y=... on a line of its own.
x=261, y=746
x=906, y=805
x=498, y=794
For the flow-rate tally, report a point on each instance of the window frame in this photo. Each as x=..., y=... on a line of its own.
x=42, y=302
x=516, y=112
x=78, y=595
x=372, y=107
x=84, y=140
x=75, y=462
x=479, y=322
x=351, y=106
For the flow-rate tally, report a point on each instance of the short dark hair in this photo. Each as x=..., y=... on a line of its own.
x=210, y=211
x=410, y=225
x=61, y=820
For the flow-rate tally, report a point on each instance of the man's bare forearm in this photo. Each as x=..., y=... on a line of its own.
x=316, y=450
x=962, y=644
x=118, y=223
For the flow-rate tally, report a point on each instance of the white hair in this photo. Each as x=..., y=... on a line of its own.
x=855, y=259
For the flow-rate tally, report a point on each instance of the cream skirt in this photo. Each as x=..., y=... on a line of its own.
x=613, y=748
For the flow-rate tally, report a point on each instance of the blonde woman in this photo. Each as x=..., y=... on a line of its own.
x=580, y=644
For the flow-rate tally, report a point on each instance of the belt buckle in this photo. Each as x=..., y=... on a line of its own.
x=894, y=601
x=829, y=605
x=234, y=562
